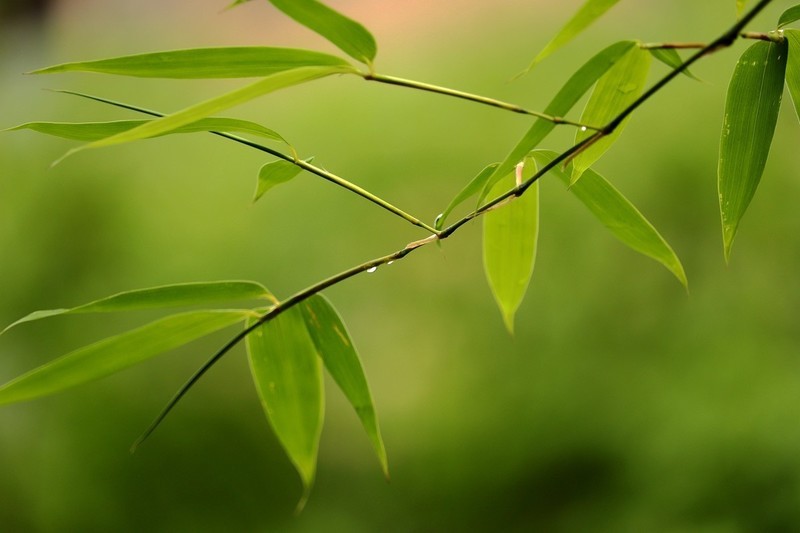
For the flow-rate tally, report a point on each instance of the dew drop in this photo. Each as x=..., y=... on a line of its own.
x=371, y=270
x=389, y=263
x=583, y=128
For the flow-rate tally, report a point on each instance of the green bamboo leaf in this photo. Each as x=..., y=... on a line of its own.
x=567, y=97
x=111, y=355
x=588, y=13
x=671, y=58
x=790, y=15
x=201, y=63
x=620, y=216
x=275, y=173
x=288, y=376
x=351, y=37
x=793, y=68
x=751, y=112
x=510, y=236
x=93, y=131
x=615, y=91
x=471, y=189
x=179, y=295
x=334, y=345
x=209, y=107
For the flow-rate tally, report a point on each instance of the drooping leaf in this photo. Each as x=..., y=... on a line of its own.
x=288, y=376
x=567, y=97
x=588, y=13
x=510, y=237
x=201, y=63
x=334, y=345
x=275, y=173
x=471, y=189
x=93, y=131
x=751, y=112
x=671, y=58
x=178, y=295
x=790, y=15
x=351, y=37
x=111, y=355
x=619, y=215
x=615, y=91
x=209, y=107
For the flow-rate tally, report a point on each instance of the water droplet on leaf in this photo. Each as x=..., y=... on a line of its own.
x=371, y=270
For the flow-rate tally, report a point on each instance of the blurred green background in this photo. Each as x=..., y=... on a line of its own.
x=622, y=404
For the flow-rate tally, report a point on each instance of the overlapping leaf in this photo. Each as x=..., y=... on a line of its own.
x=671, y=58
x=751, y=112
x=790, y=15
x=111, y=355
x=619, y=215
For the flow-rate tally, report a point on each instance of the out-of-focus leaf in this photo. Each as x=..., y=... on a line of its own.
x=209, y=107
x=620, y=216
x=615, y=91
x=790, y=15
x=200, y=63
x=93, y=131
x=471, y=189
x=275, y=173
x=238, y=2
x=751, y=112
x=179, y=295
x=740, y=5
x=334, y=345
x=288, y=376
x=351, y=37
x=793, y=68
x=117, y=353
x=671, y=58
x=588, y=13
x=510, y=236
x=567, y=97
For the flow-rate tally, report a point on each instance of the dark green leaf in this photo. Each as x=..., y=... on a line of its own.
x=671, y=58
x=620, y=216
x=288, y=376
x=793, y=68
x=275, y=173
x=117, y=353
x=790, y=15
x=197, y=63
x=751, y=112
x=350, y=36
x=334, y=345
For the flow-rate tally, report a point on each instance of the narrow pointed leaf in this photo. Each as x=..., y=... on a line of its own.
x=111, y=355
x=471, y=189
x=588, y=13
x=615, y=91
x=339, y=355
x=288, y=376
x=93, y=131
x=179, y=295
x=351, y=37
x=619, y=215
x=751, y=112
x=202, y=63
x=510, y=237
x=275, y=173
x=671, y=58
x=793, y=68
x=790, y=15
x=567, y=97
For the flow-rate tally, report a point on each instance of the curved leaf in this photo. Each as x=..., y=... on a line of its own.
x=671, y=58
x=620, y=216
x=275, y=173
x=334, y=345
x=288, y=376
x=471, y=189
x=793, y=68
x=615, y=91
x=790, y=15
x=751, y=112
x=510, y=237
x=202, y=63
x=179, y=295
x=111, y=355
x=351, y=37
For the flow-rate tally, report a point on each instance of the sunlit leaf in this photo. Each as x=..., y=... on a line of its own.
x=615, y=91
x=275, y=173
x=567, y=97
x=790, y=15
x=620, y=216
x=198, y=63
x=510, y=236
x=471, y=189
x=588, y=13
x=671, y=58
x=178, y=295
x=288, y=376
x=117, y=353
x=93, y=131
x=350, y=36
x=793, y=68
x=334, y=345
x=751, y=112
